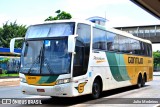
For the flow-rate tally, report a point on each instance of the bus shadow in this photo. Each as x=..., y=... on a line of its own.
x=85, y=98
x=120, y=90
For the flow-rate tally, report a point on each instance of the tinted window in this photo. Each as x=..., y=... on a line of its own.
x=142, y=52
x=112, y=41
x=123, y=44
x=82, y=50
x=120, y=43
x=50, y=30
x=149, y=49
x=134, y=46
x=99, y=39
x=146, y=49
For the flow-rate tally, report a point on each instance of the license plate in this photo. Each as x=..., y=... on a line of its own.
x=40, y=90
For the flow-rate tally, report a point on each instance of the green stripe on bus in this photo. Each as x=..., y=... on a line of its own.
x=47, y=79
x=122, y=68
x=117, y=66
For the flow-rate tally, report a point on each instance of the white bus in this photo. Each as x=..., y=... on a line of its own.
x=68, y=58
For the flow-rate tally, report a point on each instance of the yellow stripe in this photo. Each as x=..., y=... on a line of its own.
x=134, y=67
x=32, y=80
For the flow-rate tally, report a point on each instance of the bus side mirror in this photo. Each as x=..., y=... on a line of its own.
x=12, y=43
x=71, y=43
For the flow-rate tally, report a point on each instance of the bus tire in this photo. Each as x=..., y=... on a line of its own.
x=139, y=81
x=144, y=80
x=96, y=89
x=53, y=97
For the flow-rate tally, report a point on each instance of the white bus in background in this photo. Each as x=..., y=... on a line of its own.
x=68, y=58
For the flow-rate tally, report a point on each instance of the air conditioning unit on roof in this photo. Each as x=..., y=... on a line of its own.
x=98, y=20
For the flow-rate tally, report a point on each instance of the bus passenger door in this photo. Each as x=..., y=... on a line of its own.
x=78, y=61
x=81, y=57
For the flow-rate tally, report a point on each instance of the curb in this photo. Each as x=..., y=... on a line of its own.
x=156, y=74
x=9, y=79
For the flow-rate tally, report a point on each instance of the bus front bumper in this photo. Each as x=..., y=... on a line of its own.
x=62, y=90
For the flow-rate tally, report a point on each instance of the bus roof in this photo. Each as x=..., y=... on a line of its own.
x=97, y=26
x=71, y=20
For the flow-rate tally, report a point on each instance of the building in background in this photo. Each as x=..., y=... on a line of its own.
x=8, y=61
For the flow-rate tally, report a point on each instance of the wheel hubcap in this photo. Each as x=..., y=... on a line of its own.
x=96, y=89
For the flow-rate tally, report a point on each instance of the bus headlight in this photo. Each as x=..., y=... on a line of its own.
x=23, y=79
x=63, y=81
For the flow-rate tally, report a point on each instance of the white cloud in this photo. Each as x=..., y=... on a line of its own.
x=156, y=47
x=21, y=20
x=121, y=21
x=88, y=8
x=30, y=20
x=81, y=9
x=91, y=4
x=3, y=19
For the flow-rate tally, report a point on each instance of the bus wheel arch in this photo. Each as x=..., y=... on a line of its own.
x=97, y=87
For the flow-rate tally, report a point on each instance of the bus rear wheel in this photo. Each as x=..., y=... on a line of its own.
x=96, y=89
x=140, y=81
x=144, y=80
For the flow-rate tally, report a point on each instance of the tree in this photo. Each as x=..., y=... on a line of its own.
x=156, y=56
x=60, y=16
x=9, y=31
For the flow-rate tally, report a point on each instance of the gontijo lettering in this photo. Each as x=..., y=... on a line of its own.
x=135, y=60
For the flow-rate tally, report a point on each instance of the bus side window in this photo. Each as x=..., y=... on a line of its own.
x=82, y=49
x=112, y=41
x=99, y=39
x=142, y=49
x=149, y=48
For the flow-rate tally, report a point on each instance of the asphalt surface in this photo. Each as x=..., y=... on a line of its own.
x=120, y=96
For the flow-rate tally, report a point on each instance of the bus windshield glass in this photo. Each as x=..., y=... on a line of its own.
x=50, y=30
x=45, y=57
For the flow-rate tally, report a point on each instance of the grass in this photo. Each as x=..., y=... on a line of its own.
x=8, y=75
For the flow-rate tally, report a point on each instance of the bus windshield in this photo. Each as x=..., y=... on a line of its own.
x=42, y=57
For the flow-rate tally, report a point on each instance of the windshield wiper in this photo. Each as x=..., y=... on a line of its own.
x=48, y=66
x=37, y=60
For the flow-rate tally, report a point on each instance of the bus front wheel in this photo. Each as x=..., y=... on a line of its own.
x=96, y=89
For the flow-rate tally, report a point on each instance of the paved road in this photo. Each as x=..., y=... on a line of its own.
x=122, y=95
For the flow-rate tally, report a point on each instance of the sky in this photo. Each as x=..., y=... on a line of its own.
x=118, y=12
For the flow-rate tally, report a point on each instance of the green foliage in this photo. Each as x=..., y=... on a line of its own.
x=9, y=75
x=5, y=60
x=156, y=56
x=9, y=31
x=60, y=16
x=58, y=11
x=4, y=71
